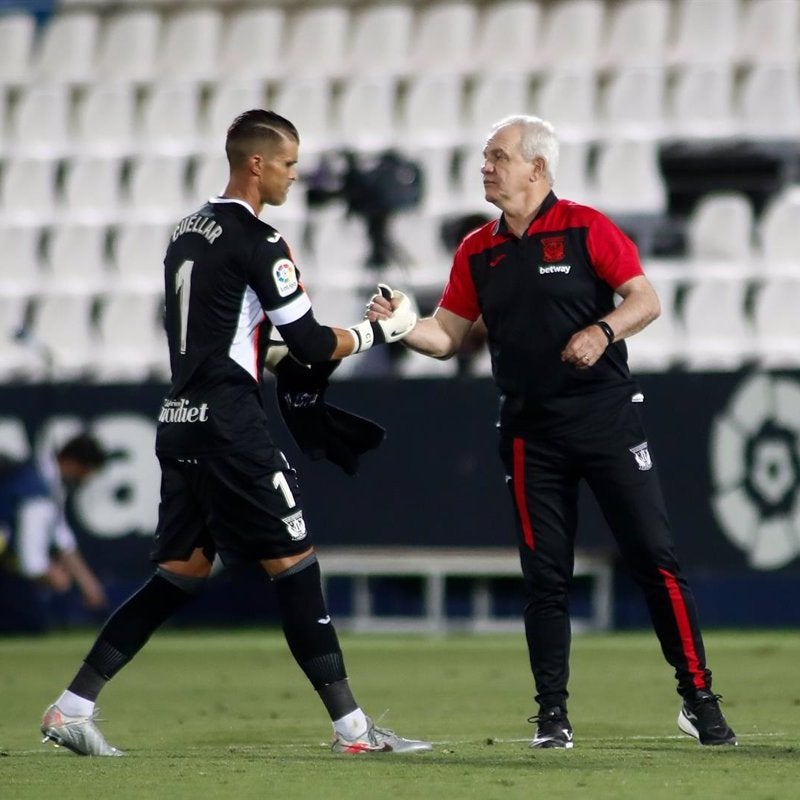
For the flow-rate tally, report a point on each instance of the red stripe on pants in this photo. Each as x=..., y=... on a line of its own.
x=684, y=629
x=519, y=491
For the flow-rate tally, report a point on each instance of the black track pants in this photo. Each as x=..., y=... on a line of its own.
x=607, y=448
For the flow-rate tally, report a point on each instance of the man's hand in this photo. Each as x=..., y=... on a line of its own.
x=396, y=321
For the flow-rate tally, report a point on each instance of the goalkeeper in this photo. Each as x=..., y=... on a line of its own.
x=226, y=489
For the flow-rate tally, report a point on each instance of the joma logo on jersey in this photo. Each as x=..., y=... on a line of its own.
x=563, y=268
x=296, y=526
x=181, y=411
x=285, y=277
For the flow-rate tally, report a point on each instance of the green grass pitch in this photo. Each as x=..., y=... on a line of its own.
x=215, y=714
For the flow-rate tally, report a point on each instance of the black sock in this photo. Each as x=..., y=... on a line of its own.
x=126, y=632
x=311, y=636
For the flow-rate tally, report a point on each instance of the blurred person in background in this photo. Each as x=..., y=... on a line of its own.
x=544, y=278
x=39, y=556
x=226, y=489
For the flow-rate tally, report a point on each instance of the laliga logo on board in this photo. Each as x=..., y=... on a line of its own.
x=755, y=470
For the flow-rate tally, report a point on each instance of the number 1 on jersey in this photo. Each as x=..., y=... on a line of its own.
x=183, y=288
x=279, y=482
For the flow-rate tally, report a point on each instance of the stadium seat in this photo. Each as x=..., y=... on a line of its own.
x=571, y=36
x=465, y=191
x=718, y=332
x=366, y=113
x=638, y=33
x=317, y=42
x=210, y=176
x=76, y=259
x=495, y=95
x=444, y=39
x=380, y=41
x=17, y=31
x=19, y=360
x=40, y=124
x=769, y=32
x=441, y=192
x=338, y=249
x=62, y=330
x=706, y=32
x=308, y=103
x=28, y=191
x=633, y=104
x=169, y=122
x=105, y=120
x=137, y=256
x=92, y=191
x=190, y=44
x=431, y=114
x=778, y=241
x=775, y=313
x=20, y=265
x=769, y=102
x=701, y=102
x=720, y=231
x=229, y=98
x=507, y=36
x=568, y=99
x=660, y=345
x=253, y=30
x=572, y=175
x=66, y=50
x=121, y=357
x=628, y=179
x=157, y=190
x=136, y=32
x=417, y=365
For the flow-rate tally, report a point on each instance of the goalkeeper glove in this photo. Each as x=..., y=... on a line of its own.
x=383, y=331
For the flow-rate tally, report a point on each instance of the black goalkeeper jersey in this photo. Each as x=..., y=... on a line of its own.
x=229, y=277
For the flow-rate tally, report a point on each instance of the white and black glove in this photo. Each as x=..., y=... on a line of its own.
x=383, y=331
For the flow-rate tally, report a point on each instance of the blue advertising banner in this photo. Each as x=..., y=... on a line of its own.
x=726, y=445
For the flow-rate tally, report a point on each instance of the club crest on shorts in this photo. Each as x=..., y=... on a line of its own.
x=642, y=456
x=295, y=525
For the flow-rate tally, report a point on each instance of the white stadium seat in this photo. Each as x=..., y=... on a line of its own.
x=76, y=261
x=20, y=265
x=40, y=123
x=253, y=30
x=444, y=39
x=380, y=43
x=706, y=32
x=317, y=42
x=718, y=333
x=507, y=37
x=137, y=255
x=720, y=229
x=775, y=312
x=66, y=51
x=169, y=123
x=571, y=36
x=92, y=191
x=638, y=33
x=190, y=44
x=17, y=30
x=136, y=32
x=28, y=191
x=769, y=32
x=105, y=121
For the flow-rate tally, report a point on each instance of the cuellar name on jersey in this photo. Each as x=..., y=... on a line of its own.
x=181, y=411
x=196, y=223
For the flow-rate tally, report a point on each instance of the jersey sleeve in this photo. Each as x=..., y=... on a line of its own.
x=459, y=294
x=614, y=256
x=276, y=280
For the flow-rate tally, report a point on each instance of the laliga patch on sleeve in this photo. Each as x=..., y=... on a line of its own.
x=285, y=277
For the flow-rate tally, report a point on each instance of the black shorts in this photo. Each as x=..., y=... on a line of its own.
x=243, y=506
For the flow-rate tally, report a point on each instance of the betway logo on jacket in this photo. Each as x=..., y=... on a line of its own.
x=181, y=411
x=549, y=270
